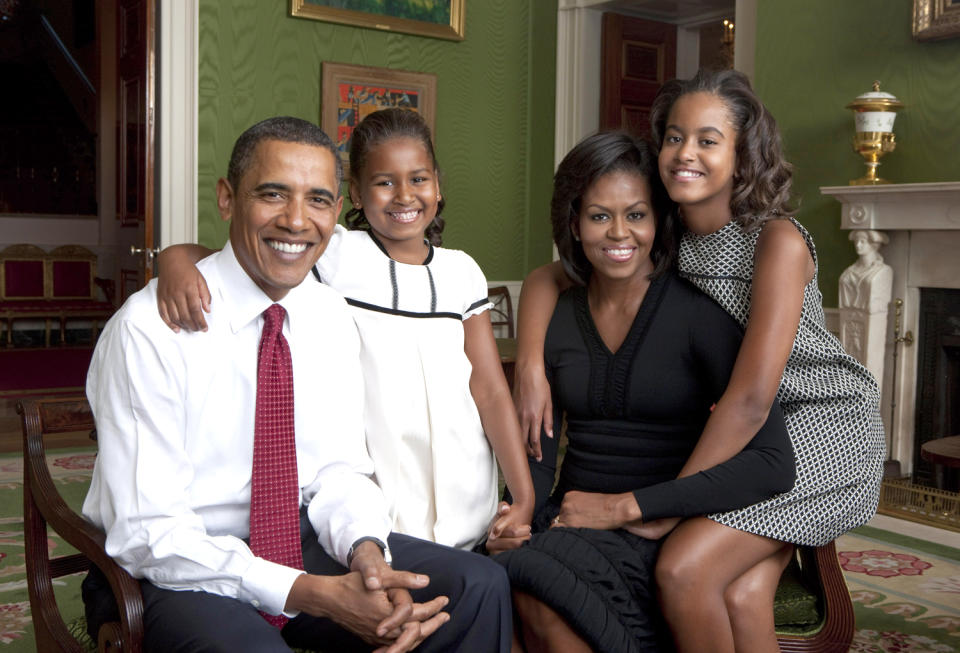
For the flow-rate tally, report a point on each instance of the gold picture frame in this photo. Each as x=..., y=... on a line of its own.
x=321, y=10
x=350, y=92
x=936, y=19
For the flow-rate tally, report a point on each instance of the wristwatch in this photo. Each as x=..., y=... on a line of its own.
x=387, y=558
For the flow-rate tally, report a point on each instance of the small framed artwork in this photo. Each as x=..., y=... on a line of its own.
x=936, y=19
x=442, y=19
x=351, y=92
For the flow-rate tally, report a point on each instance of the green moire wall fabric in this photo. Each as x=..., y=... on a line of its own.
x=495, y=109
x=812, y=59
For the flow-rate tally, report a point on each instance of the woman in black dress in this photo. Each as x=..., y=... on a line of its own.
x=635, y=357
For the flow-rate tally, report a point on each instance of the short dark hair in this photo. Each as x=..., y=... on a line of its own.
x=762, y=177
x=373, y=130
x=592, y=158
x=285, y=129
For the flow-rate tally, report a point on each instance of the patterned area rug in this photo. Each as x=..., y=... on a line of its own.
x=905, y=591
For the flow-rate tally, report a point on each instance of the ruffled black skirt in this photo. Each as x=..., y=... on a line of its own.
x=601, y=582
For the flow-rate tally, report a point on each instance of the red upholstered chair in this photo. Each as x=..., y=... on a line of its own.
x=21, y=282
x=71, y=273
x=59, y=285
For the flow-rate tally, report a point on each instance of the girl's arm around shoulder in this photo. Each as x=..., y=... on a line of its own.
x=491, y=394
x=538, y=298
x=182, y=293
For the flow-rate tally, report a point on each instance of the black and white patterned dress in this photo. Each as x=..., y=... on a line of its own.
x=830, y=403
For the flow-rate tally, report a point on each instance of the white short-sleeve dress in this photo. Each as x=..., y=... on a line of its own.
x=429, y=450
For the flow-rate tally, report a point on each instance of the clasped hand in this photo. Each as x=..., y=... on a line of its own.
x=509, y=529
x=372, y=601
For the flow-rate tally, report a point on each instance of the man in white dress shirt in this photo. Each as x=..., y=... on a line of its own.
x=175, y=422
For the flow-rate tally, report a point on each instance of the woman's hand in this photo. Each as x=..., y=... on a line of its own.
x=597, y=510
x=654, y=530
x=510, y=528
x=182, y=293
x=531, y=396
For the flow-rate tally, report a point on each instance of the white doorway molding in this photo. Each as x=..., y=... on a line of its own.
x=177, y=122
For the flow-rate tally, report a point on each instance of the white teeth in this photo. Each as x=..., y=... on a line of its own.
x=405, y=216
x=287, y=248
x=620, y=252
x=687, y=173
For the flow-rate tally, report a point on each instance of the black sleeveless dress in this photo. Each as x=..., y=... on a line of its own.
x=633, y=417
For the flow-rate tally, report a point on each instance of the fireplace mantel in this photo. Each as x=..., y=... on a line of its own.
x=922, y=222
x=911, y=207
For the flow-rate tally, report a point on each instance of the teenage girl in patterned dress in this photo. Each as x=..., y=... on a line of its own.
x=722, y=163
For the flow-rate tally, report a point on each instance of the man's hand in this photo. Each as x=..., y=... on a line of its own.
x=597, y=510
x=388, y=618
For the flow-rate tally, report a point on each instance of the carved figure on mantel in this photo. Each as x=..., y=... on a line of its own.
x=865, y=291
x=868, y=283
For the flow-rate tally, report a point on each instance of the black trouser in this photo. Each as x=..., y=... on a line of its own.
x=480, y=612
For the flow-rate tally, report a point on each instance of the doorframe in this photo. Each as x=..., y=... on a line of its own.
x=579, y=22
x=178, y=45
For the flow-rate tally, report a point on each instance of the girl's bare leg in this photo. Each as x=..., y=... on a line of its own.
x=543, y=630
x=698, y=563
x=749, y=600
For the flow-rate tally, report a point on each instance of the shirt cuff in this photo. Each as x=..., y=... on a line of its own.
x=266, y=586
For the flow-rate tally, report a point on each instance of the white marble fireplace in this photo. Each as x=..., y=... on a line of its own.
x=922, y=222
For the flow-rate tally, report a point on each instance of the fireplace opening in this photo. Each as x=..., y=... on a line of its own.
x=938, y=379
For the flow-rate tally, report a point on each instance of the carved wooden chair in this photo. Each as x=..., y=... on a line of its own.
x=812, y=609
x=501, y=315
x=43, y=507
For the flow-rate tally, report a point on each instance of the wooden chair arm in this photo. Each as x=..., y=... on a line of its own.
x=837, y=631
x=41, y=496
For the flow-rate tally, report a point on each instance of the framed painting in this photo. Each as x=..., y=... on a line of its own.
x=936, y=19
x=350, y=92
x=442, y=19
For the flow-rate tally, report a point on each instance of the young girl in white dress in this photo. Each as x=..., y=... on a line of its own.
x=437, y=400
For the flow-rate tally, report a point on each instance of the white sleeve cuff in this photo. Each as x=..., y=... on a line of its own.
x=266, y=586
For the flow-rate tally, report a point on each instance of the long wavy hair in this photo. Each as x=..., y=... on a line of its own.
x=590, y=159
x=377, y=128
x=762, y=177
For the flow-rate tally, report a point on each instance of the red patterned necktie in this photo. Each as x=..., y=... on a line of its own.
x=274, y=487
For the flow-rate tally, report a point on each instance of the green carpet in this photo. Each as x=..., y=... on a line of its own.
x=906, y=592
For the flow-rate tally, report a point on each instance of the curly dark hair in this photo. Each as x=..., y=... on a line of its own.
x=762, y=178
x=373, y=130
x=280, y=128
x=592, y=158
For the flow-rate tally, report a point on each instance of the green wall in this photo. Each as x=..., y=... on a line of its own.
x=812, y=59
x=495, y=109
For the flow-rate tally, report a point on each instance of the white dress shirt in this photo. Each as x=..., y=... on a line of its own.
x=175, y=422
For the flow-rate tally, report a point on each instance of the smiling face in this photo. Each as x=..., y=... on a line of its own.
x=698, y=159
x=398, y=191
x=282, y=213
x=616, y=226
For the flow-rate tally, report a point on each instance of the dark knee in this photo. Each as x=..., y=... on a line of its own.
x=534, y=614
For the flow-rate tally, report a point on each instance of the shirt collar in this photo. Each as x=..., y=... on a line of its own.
x=243, y=300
